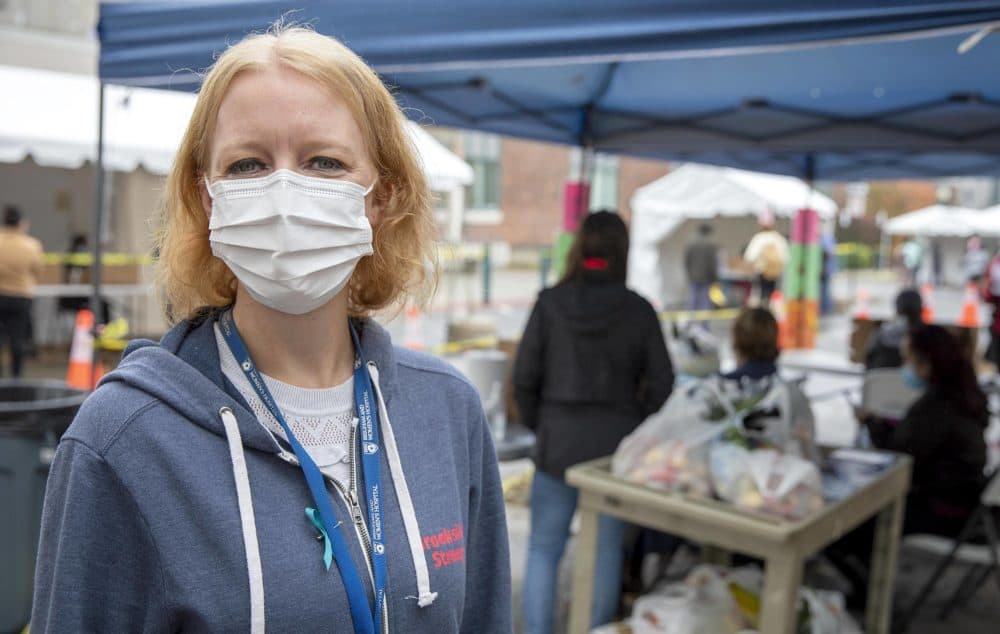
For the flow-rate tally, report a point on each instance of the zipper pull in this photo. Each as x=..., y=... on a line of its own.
x=355, y=507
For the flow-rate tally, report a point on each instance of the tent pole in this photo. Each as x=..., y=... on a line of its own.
x=802, y=283
x=95, y=267
x=587, y=160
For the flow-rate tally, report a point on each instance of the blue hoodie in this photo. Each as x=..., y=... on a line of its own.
x=171, y=508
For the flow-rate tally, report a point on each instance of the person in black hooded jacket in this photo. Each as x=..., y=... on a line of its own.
x=591, y=366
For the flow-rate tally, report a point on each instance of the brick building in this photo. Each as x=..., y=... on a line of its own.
x=517, y=197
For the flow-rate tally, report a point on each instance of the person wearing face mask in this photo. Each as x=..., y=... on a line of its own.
x=943, y=432
x=274, y=462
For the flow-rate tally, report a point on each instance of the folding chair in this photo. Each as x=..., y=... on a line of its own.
x=982, y=559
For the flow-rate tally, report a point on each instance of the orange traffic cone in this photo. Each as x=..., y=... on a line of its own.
x=80, y=373
x=781, y=316
x=861, y=306
x=927, y=297
x=970, y=308
x=413, y=335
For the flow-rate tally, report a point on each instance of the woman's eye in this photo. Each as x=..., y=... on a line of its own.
x=244, y=167
x=325, y=163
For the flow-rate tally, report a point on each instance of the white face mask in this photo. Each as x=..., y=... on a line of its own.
x=291, y=240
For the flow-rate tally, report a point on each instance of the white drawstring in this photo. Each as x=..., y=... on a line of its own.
x=424, y=595
x=249, y=524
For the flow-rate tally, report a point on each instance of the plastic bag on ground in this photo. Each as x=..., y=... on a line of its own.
x=718, y=600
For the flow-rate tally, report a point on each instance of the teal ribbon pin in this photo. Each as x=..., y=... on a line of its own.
x=314, y=517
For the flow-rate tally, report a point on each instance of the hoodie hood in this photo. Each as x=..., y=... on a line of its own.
x=589, y=306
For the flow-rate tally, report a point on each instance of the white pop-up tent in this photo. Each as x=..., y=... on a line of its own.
x=936, y=221
x=52, y=118
x=667, y=212
x=945, y=228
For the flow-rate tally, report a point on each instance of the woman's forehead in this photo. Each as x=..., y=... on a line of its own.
x=277, y=101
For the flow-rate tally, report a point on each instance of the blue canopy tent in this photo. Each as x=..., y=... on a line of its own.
x=852, y=90
x=845, y=91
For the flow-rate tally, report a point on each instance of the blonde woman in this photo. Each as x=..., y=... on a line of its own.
x=275, y=462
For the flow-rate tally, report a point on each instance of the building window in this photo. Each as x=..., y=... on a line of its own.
x=482, y=152
x=603, y=179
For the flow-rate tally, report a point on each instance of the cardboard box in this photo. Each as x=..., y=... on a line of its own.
x=865, y=329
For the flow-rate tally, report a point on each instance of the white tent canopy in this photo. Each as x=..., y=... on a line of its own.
x=663, y=211
x=947, y=221
x=945, y=228
x=944, y=221
x=52, y=117
x=704, y=191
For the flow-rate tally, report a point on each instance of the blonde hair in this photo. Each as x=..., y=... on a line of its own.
x=403, y=264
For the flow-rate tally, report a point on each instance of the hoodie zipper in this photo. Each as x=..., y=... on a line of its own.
x=350, y=498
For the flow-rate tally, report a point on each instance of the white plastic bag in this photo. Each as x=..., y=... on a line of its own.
x=670, y=450
x=680, y=610
x=765, y=480
x=825, y=613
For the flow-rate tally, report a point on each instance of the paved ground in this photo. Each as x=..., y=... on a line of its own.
x=512, y=293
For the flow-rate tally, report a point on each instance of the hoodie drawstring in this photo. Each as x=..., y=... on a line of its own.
x=424, y=595
x=249, y=524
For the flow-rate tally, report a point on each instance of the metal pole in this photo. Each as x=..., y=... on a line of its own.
x=587, y=160
x=487, y=274
x=95, y=267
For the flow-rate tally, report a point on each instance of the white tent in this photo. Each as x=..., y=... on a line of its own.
x=945, y=229
x=53, y=118
x=666, y=213
x=936, y=221
x=987, y=221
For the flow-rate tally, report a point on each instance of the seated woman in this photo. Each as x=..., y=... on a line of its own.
x=884, y=349
x=942, y=431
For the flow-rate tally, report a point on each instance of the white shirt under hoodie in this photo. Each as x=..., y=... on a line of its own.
x=321, y=419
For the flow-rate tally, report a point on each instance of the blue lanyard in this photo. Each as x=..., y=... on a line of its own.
x=361, y=613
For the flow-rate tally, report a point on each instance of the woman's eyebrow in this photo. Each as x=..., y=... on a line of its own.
x=327, y=145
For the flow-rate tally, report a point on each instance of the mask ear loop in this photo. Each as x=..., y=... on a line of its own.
x=370, y=188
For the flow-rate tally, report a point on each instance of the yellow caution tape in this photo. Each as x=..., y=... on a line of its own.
x=467, y=344
x=450, y=252
x=108, y=259
x=700, y=315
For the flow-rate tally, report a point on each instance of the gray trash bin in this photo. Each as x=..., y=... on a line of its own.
x=33, y=415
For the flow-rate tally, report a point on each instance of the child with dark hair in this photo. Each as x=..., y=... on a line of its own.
x=755, y=344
